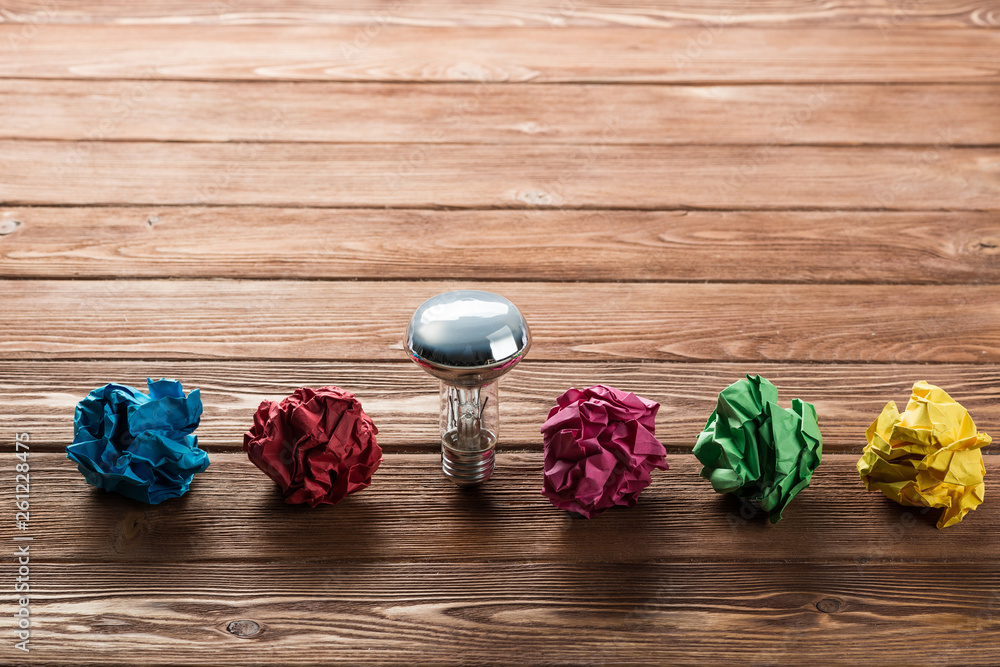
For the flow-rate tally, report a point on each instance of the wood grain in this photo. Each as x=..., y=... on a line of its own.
x=512, y=13
x=411, y=512
x=436, y=113
x=456, y=613
x=39, y=397
x=252, y=197
x=499, y=176
x=169, y=319
x=766, y=246
x=714, y=53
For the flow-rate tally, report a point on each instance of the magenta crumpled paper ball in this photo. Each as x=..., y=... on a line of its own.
x=600, y=447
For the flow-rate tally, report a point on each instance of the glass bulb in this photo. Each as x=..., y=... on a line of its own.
x=470, y=421
x=468, y=339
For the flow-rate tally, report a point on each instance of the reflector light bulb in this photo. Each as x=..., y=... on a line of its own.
x=468, y=339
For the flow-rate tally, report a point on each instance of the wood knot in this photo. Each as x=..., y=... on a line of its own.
x=530, y=127
x=988, y=245
x=131, y=527
x=9, y=226
x=828, y=605
x=536, y=198
x=243, y=628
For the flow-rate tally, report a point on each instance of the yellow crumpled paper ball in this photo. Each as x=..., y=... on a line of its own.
x=927, y=456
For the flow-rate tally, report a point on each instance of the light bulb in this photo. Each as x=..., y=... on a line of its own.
x=468, y=339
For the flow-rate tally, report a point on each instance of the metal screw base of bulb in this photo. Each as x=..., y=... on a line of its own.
x=468, y=467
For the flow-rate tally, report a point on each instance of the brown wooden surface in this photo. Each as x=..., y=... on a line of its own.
x=320, y=320
x=512, y=14
x=594, y=176
x=527, y=114
x=252, y=197
x=733, y=54
x=940, y=247
x=411, y=515
x=457, y=613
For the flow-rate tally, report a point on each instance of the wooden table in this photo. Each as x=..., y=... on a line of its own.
x=252, y=197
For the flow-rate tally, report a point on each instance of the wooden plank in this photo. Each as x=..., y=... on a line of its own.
x=713, y=53
x=169, y=319
x=717, y=246
x=435, y=113
x=373, y=14
x=411, y=512
x=449, y=613
x=499, y=176
x=39, y=397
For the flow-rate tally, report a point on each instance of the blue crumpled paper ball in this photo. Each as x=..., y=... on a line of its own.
x=139, y=445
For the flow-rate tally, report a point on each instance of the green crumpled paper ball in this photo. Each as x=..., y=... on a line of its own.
x=756, y=449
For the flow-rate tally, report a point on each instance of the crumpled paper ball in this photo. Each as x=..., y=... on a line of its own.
x=317, y=444
x=600, y=447
x=139, y=445
x=928, y=456
x=757, y=450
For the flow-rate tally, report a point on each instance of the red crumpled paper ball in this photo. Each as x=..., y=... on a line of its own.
x=317, y=444
x=600, y=447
